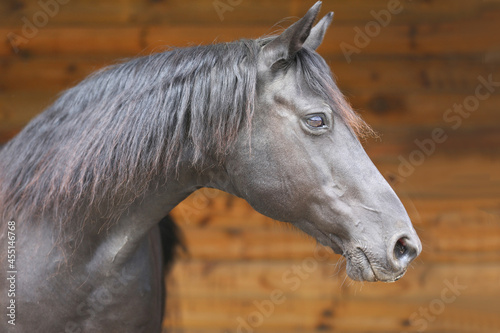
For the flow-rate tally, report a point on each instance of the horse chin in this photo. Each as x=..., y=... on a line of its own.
x=360, y=271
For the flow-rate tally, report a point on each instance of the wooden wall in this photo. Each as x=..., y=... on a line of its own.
x=428, y=58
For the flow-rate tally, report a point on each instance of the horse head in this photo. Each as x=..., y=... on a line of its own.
x=300, y=160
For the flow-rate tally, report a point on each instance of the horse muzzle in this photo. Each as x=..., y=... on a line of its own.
x=364, y=264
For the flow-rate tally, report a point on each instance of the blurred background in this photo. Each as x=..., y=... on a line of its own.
x=424, y=73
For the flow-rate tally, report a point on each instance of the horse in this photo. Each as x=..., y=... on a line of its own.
x=84, y=185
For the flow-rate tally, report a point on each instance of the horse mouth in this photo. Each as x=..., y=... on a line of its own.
x=361, y=268
x=359, y=265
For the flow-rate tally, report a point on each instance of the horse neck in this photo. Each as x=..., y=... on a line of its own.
x=102, y=243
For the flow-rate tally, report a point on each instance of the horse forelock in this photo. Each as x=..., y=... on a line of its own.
x=317, y=75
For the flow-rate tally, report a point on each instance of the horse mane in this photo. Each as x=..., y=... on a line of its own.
x=103, y=142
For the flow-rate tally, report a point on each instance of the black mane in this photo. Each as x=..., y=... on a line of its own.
x=112, y=134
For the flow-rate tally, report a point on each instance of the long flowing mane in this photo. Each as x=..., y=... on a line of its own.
x=105, y=140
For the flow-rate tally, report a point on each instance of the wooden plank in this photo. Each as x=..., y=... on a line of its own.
x=123, y=41
x=447, y=39
x=458, y=211
x=406, y=109
x=300, y=279
x=48, y=74
x=360, y=11
x=127, y=12
x=412, y=76
x=382, y=315
x=235, y=243
x=462, y=177
x=16, y=111
x=179, y=36
x=400, y=40
x=203, y=12
x=13, y=13
x=480, y=141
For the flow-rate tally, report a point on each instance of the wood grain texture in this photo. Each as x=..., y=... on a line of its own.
x=404, y=79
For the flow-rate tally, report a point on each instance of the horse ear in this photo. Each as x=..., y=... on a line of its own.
x=286, y=45
x=318, y=32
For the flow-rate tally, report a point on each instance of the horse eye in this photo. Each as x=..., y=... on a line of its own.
x=316, y=121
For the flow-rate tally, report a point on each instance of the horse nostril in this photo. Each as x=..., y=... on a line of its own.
x=400, y=250
x=405, y=250
x=401, y=253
